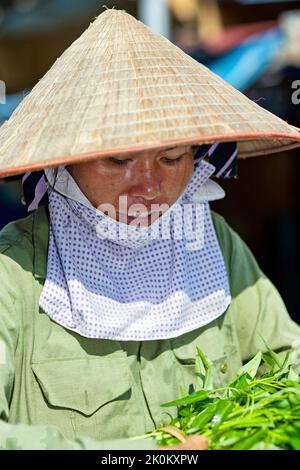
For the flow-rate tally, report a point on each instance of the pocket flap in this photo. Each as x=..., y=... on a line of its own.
x=83, y=384
x=210, y=341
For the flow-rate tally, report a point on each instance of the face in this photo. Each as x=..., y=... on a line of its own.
x=137, y=187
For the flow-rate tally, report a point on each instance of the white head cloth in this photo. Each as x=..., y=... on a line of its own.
x=143, y=285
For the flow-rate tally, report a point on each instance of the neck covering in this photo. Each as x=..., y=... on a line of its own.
x=141, y=286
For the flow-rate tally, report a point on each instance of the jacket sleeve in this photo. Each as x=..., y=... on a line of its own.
x=23, y=436
x=259, y=311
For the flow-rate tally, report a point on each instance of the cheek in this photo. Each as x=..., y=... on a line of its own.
x=106, y=189
x=99, y=169
x=189, y=170
x=97, y=183
x=179, y=177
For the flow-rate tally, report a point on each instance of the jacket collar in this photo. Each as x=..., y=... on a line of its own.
x=40, y=242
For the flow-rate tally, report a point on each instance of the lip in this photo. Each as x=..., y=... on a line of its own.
x=146, y=205
x=144, y=221
x=143, y=215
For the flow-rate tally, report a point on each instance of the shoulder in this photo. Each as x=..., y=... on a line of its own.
x=16, y=276
x=17, y=237
x=16, y=257
x=18, y=240
x=16, y=232
x=242, y=267
x=227, y=238
x=226, y=235
x=230, y=242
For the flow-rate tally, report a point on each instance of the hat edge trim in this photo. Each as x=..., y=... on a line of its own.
x=90, y=156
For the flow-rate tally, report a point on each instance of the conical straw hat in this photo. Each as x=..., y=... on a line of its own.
x=122, y=87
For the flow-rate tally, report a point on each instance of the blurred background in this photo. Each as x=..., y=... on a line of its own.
x=253, y=44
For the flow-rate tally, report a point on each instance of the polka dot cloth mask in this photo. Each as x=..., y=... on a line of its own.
x=142, y=286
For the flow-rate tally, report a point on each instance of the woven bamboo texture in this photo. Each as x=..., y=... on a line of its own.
x=120, y=87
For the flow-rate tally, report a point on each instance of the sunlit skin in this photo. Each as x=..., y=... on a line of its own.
x=149, y=178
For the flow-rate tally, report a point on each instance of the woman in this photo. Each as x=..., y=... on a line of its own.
x=116, y=277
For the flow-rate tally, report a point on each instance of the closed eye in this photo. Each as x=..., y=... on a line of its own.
x=168, y=160
x=117, y=161
x=171, y=161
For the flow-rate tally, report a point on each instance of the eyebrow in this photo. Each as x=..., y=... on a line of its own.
x=163, y=150
x=176, y=147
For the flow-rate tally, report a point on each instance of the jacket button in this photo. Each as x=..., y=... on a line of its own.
x=224, y=368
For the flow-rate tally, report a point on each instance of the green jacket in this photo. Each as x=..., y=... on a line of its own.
x=59, y=390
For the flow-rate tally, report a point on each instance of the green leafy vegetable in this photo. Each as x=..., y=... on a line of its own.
x=252, y=412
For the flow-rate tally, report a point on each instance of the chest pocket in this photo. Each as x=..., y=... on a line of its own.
x=83, y=396
x=220, y=347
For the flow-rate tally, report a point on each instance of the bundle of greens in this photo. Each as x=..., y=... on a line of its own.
x=255, y=411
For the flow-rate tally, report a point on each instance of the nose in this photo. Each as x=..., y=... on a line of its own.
x=146, y=185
